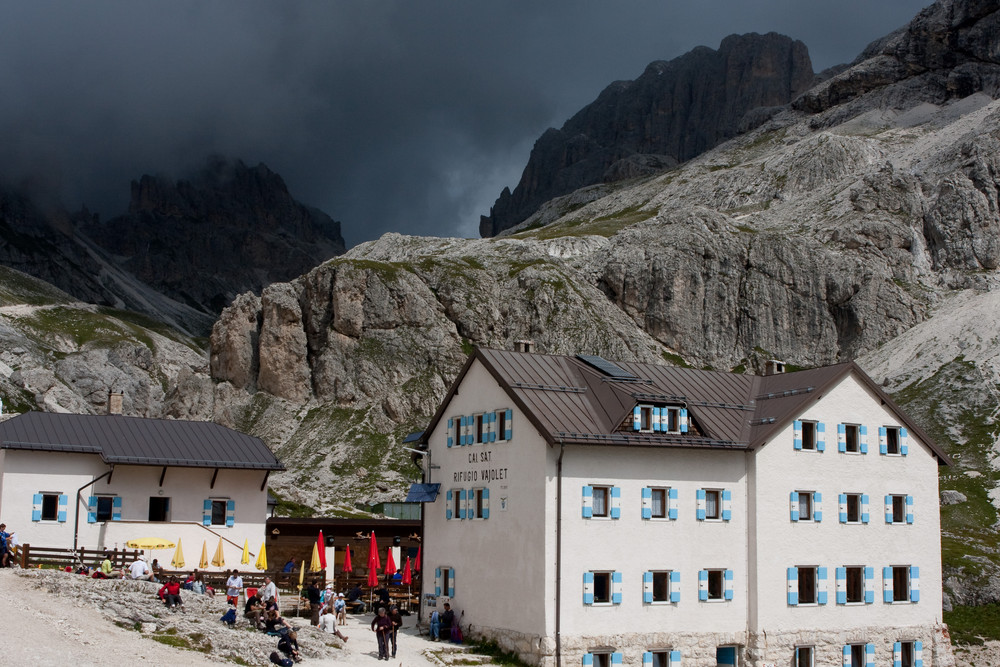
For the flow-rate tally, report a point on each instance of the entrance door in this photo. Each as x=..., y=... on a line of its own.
x=159, y=509
x=725, y=656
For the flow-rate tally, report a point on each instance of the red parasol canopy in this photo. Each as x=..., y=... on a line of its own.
x=347, y=559
x=372, y=577
x=407, y=577
x=374, y=562
x=390, y=564
x=321, y=547
x=416, y=561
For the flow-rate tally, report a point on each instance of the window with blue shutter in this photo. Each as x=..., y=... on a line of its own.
x=822, y=584
x=675, y=586
x=616, y=502
x=797, y=434
x=588, y=501
x=703, y=585
x=92, y=509
x=914, y=584
x=63, y=504
x=792, y=581
x=116, y=509
x=728, y=580
x=820, y=437
x=451, y=431
x=588, y=588
x=727, y=504
x=700, y=504
x=616, y=587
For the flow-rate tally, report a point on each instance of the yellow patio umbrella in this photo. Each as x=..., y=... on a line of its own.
x=261, y=563
x=150, y=543
x=246, y=553
x=178, y=560
x=219, y=560
x=314, y=565
x=203, y=563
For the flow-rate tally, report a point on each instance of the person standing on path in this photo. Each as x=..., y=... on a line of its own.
x=234, y=586
x=315, y=601
x=382, y=625
x=397, y=623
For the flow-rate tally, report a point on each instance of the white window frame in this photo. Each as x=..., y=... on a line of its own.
x=718, y=505
x=646, y=415
x=810, y=426
x=847, y=585
x=811, y=503
x=666, y=575
x=888, y=440
x=611, y=595
x=665, y=490
x=606, y=491
x=860, y=504
x=797, y=661
x=721, y=574
x=895, y=591
x=55, y=515
x=813, y=574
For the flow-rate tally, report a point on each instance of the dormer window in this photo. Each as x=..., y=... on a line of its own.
x=645, y=418
x=655, y=419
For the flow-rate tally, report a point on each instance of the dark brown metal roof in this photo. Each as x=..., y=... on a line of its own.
x=570, y=401
x=138, y=441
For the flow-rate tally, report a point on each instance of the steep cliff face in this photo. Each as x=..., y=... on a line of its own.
x=228, y=230
x=673, y=112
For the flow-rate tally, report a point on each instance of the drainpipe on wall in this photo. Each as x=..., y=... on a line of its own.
x=562, y=448
x=76, y=514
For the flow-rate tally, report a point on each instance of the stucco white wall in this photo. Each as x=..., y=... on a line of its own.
x=633, y=545
x=500, y=563
x=26, y=473
x=779, y=469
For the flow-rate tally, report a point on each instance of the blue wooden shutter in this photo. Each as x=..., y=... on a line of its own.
x=437, y=582
x=230, y=513
x=588, y=588
x=647, y=502
x=92, y=509
x=647, y=659
x=904, y=444
x=616, y=658
x=864, y=508
x=675, y=586
x=793, y=505
x=703, y=585
x=616, y=502
x=841, y=574
x=588, y=660
x=493, y=426
x=451, y=582
x=675, y=659
x=486, y=503
x=822, y=585
x=672, y=496
x=461, y=503
x=847, y=656
x=588, y=502
x=727, y=504
x=883, y=440
x=869, y=585
x=909, y=509
x=820, y=437
x=508, y=424
x=63, y=504
x=636, y=418
x=116, y=509
x=797, y=434
x=888, y=508
x=918, y=654
x=792, y=580
x=647, y=587
x=863, y=436
x=914, y=583
x=656, y=420
x=471, y=511
x=448, y=505
x=728, y=584
x=897, y=654
x=886, y=584
x=451, y=431
x=616, y=587
x=36, y=507
x=842, y=507
x=683, y=419
x=700, y=505
x=869, y=655
x=817, y=507
x=206, y=512
x=841, y=438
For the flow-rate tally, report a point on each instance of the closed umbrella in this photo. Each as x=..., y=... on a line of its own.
x=245, y=559
x=321, y=548
x=302, y=578
x=416, y=561
x=177, y=562
x=314, y=565
x=373, y=559
x=219, y=559
x=390, y=563
x=347, y=559
x=203, y=563
x=407, y=575
x=261, y=563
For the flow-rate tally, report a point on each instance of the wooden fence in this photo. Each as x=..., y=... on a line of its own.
x=29, y=556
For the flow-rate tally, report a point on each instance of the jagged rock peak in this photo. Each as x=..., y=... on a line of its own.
x=674, y=111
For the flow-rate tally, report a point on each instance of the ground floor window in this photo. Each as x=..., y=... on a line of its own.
x=50, y=506
x=159, y=509
x=602, y=658
x=804, y=656
x=105, y=506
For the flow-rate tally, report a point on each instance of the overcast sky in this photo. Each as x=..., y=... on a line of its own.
x=406, y=115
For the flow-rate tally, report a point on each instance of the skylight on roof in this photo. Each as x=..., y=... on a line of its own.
x=609, y=368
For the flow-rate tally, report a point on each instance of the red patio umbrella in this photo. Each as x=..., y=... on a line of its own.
x=407, y=576
x=321, y=547
x=372, y=577
x=347, y=559
x=416, y=561
x=390, y=563
x=374, y=562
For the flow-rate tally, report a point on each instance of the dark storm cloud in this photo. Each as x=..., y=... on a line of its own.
x=405, y=116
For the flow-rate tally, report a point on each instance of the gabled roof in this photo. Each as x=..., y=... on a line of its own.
x=570, y=400
x=138, y=441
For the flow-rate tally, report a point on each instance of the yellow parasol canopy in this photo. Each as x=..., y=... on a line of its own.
x=314, y=565
x=178, y=560
x=219, y=560
x=246, y=553
x=203, y=563
x=150, y=543
x=261, y=563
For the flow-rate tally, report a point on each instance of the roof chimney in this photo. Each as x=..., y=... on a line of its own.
x=115, y=400
x=524, y=346
x=774, y=367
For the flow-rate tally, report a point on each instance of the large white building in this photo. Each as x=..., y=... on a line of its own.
x=594, y=513
x=97, y=481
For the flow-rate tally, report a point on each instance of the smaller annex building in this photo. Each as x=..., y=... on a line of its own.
x=601, y=513
x=97, y=481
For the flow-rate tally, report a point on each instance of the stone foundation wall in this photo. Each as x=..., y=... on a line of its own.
x=698, y=649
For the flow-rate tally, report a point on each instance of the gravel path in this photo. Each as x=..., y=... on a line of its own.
x=59, y=619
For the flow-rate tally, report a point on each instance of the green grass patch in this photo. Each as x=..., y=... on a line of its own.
x=607, y=225
x=675, y=359
x=20, y=288
x=172, y=640
x=290, y=508
x=972, y=625
x=500, y=657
